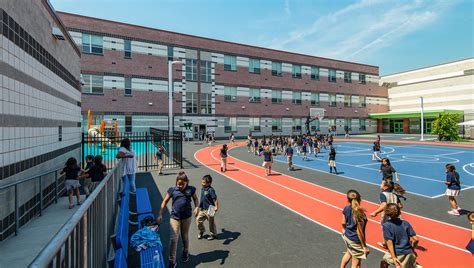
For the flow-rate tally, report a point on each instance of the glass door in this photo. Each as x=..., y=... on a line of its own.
x=397, y=127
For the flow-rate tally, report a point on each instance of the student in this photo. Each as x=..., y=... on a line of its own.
x=232, y=138
x=159, y=159
x=127, y=155
x=376, y=150
x=71, y=183
x=354, y=222
x=346, y=136
x=97, y=172
x=85, y=180
x=180, y=216
x=387, y=170
x=304, y=149
x=208, y=199
x=386, y=197
x=332, y=159
x=289, y=155
x=401, y=240
x=267, y=160
x=223, y=156
x=249, y=145
x=255, y=146
x=454, y=188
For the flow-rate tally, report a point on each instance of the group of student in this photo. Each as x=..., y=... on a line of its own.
x=183, y=196
x=86, y=178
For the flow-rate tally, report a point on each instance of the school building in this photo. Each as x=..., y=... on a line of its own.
x=446, y=87
x=219, y=87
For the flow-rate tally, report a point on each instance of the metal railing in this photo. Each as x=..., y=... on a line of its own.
x=48, y=187
x=145, y=145
x=84, y=240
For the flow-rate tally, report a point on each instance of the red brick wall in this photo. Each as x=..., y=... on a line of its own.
x=406, y=125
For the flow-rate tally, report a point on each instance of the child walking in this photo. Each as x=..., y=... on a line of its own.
x=376, y=152
x=332, y=159
x=71, y=183
x=267, y=160
x=180, y=216
x=208, y=206
x=400, y=238
x=223, y=156
x=388, y=171
x=454, y=188
x=289, y=155
x=354, y=222
x=85, y=180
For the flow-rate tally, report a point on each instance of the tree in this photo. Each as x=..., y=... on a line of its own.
x=446, y=126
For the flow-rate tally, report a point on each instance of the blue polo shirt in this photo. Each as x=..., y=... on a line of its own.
x=351, y=224
x=289, y=151
x=159, y=155
x=453, y=180
x=267, y=156
x=207, y=197
x=399, y=231
x=181, y=202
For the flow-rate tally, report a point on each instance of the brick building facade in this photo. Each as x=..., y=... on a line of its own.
x=219, y=86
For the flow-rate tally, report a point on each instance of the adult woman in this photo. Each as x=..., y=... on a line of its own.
x=353, y=222
x=127, y=155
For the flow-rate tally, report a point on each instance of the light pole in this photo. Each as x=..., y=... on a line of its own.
x=170, y=109
x=422, y=119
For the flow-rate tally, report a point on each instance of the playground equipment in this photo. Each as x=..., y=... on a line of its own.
x=107, y=133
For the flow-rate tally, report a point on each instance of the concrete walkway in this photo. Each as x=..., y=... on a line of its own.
x=21, y=250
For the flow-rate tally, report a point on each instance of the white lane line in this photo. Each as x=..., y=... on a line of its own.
x=460, y=152
x=318, y=200
x=379, y=163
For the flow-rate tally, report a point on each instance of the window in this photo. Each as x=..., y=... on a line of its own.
x=60, y=133
x=347, y=77
x=170, y=53
x=254, y=66
x=276, y=124
x=230, y=94
x=128, y=123
x=128, y=86
x=205, y=69
x=296, y=124
x=93, y=84
x=230, y=124
x=254, y=95
x=191, y=103
x=276, y=68
x=254, y=124
x=92, y=44
x=206, y=107
x=314, y=126
x=191, y=69
x=361, y=78
x=276, y=96
x=296, y=71
x=314, y=73
x=314, y=99
x=347, y=101
x=127, y=48
x=332, y=75
x=347, y=124
x=296, y=97
x=362, y=101
x=361, y=124
x=332, y=100
x=230, y=63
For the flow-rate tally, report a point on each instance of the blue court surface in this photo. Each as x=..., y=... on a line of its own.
x=421, y=168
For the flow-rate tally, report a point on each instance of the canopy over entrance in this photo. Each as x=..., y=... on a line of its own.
x=417, y=114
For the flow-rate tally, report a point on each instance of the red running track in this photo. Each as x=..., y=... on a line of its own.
x=443, y=244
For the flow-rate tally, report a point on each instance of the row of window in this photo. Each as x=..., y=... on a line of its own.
x=230, y=95
x=192, y=103
x=93, y=44
x=230, y=124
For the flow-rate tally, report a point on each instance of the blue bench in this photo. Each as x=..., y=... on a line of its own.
x=147, y=257
x=120, y=260
x=143, y=201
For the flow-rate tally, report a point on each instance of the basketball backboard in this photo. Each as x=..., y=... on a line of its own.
x=317, y=113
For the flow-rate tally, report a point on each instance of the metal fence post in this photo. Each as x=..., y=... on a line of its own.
x=17, y=210
x=41, y=194
x=146, y=151
x=56, y=187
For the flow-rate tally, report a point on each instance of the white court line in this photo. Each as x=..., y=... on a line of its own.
x=450, y=153
x=318, y=200
x=462, y=189
x=379, y=163
x=465, y=170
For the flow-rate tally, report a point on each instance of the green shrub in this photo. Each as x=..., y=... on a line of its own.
x=446, y=127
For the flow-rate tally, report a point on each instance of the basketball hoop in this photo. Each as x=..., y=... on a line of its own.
x=317, y=113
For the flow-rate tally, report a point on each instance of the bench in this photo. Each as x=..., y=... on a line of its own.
x=121, y=238
x=120, y=260
x=143, y=201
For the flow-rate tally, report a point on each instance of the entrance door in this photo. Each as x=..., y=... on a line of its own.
x=196, y=132
x=199, y=131
x=428, y=126
x=397, y=127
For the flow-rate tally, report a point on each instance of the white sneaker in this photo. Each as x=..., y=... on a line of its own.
x=453, y=212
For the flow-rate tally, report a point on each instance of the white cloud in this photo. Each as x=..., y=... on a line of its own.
x=355, y=31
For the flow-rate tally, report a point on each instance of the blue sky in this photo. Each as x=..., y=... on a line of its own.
x=394, y=35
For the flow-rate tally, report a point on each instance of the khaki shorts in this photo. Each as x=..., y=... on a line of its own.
x=267, y=164
x=332, y=163
x=354, y=248
x=408, y=260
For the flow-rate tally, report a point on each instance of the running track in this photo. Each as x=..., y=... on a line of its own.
x=443, y=244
